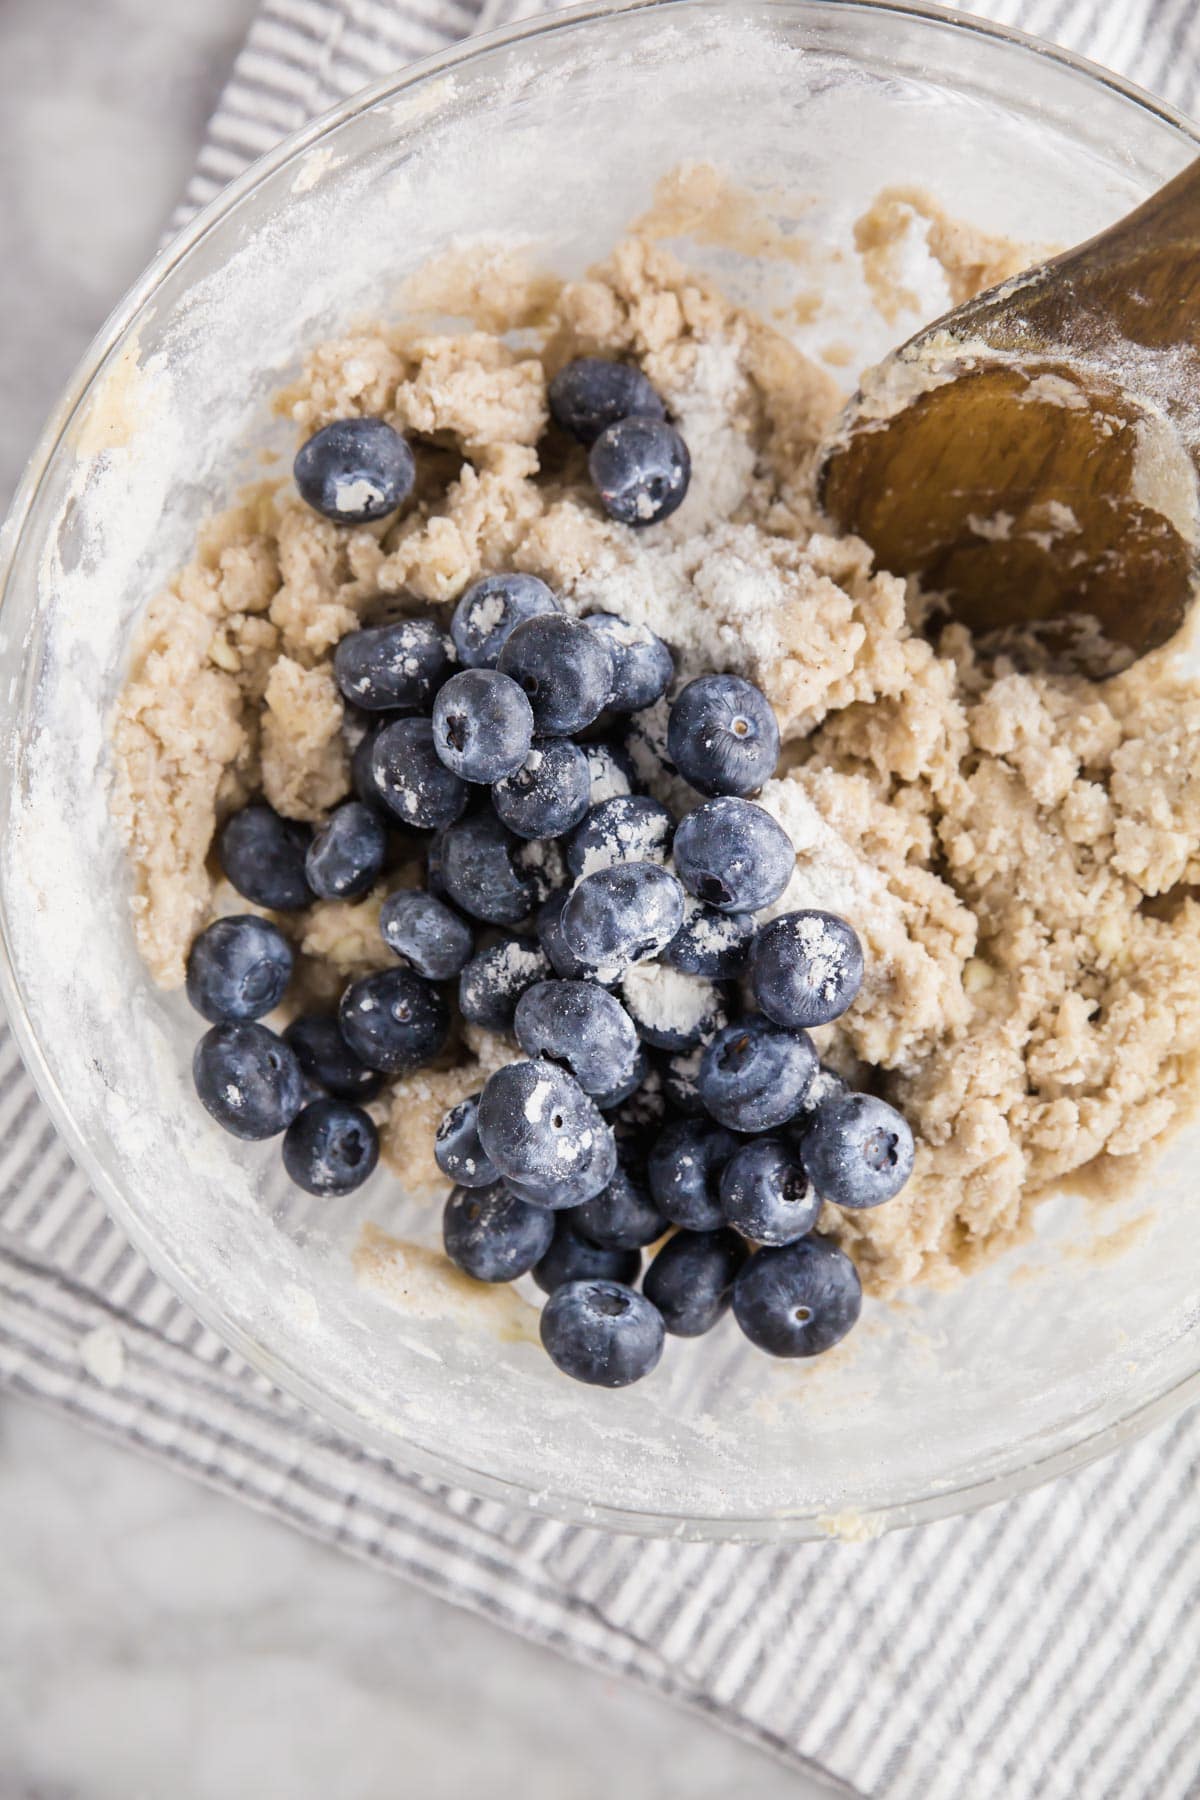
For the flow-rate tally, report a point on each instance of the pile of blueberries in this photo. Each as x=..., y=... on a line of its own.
x=668, y=1079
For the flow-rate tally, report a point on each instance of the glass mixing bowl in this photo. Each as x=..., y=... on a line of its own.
x=555, y=134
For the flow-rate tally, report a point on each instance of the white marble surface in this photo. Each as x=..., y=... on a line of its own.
x=158, y=1642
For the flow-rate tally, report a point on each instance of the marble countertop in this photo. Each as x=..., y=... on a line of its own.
x=158, y=1642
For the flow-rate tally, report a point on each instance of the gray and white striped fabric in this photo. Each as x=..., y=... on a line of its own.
x=1049, y=1647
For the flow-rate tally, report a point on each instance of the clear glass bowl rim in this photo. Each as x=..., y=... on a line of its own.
x=910, y=1510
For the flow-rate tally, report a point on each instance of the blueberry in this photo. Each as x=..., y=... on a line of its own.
x=563, y=959
x=583, y=1027
x=610, y=772
x=710, y=943
x=238, y=969
x=672, y=1012
x=591, y=393
x=426, y=933
x=540, y=1130
x=858, y=1151
x=622, y=1090
x=640, y=468
x=684, y=1172
x=494, y=980
x=643, y=667
x=691, y=1279
x=362, y=774
x=680, y=1075
x=799, y=1299
x=491, y=1235
x=826, y=1086
x=806, y=968
x=645, y=747
x=331, y=1147
x=347, y=854
x=766, y=1195
x=393, y=1020
x=601, y=1332
x=622, y=915
x=621, y=1217
x=570, y=1257
x=478, y=871
x=490, y=609
x=263, y=856
x=248, y=1079
x=732, y=855
x=482, y=725
x=457, y=1149
x=410, y=779
x=540, y=861
x=754, y=1076
x=723, y=736
x=392, y=668
x=326, y=1058
x=565, y=670
x=628, y=828
x=355, y=470
x=548, y=794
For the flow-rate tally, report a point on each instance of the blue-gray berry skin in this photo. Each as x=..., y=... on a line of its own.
x=826, y=1085
x=548, y=794
x=248, y=1079
x=327, y=1059
x=331, y=1147
x=673, y=1012
x=565, y=670
x=640, y=469
x=238, y=968
x=355, y=470
x=490, y=610
x=766, y=1195
x=602, y=1332
x=457, y=1149
x=755, y=1075
x=806, y=968
x=713, y=944
x=563, y=959
x=622, y=1216
x=393, y=1021
x=263, y=856
x=478, y=871
x=582, y=1026
x=621, y=1090
x=622, y=915
x=591, y=393
x=799, y=1299
x=495, y=978
x=410, y=780
x=627, y=828
x=482, y=725
x=858, y=1151
x=570, y=1257
x=733, y=855
x=680, y=1075
x=691, y=1279
x=610, y=772
x=643, y=667
x=491, y=1235
x=723, y=736
x=347, y=854
x=393, y=668
x=541, y=1130
x=426, y=933
x=684, y=1172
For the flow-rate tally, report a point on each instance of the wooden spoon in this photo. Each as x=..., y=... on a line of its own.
x=1033, y=455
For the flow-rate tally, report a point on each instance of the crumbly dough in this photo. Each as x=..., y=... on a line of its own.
x=1017, y=847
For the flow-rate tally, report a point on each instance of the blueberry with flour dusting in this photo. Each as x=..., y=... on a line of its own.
x=263, y=856
x=565, y=670
x=572, y=1257
x=684, y=1172
x=585, y=1028
x=355, y=470
x=733, y=855
x=482, y=725
x=493, y=981
x=710, y=943
x=426, y=933
x=643, y=667
x=640, y=469
x=755, y=1075
x=672, y=1011
x=628, y=828
x=490, y=611
x=491, y=1235
x=393, y=668
x=541, y=1131
x=347, y=853
x=549, y=794
x=691, y=1279
x=394, y=1021
x=602, y=1333
x=563, y=959
x=331, y=1147
x=806, y=968
x=610, y=772
x=858, y=1151
x=476, y=864
x=457, y=1149
x=248, y=1079
x=723, y=736
x=622, y=915
x=592, y=392
x=410, y=780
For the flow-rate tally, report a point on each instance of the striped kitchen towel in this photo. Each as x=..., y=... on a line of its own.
x=1049, y=1647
